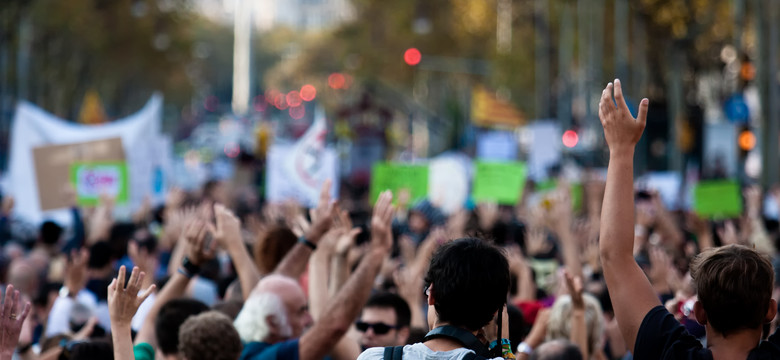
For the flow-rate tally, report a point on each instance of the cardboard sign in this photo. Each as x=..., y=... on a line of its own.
x=500, y=182
x=394, y=176
x=53, y=166
x=719, y=199
x=93, y=179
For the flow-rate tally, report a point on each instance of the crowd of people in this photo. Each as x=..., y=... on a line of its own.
x=215, y=274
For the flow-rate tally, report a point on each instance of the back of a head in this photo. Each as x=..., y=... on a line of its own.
x=87, y=350
x=171, y=317
x=387, y=300
x=734, y=285
x=209, y=336
x=50, y=232
x=470, y=282
x=557, y=350
x=272, y=246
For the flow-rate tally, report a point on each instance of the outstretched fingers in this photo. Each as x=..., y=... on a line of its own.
x=642, y=114
x=619, y=99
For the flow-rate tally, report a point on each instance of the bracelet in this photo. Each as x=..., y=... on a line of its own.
x=495, y=342
x=308, y=243
x=525, y=348
x=184, y=272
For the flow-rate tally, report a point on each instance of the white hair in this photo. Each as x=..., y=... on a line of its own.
x=252, y=323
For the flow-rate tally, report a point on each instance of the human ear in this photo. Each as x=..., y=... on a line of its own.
x=699, y=313
x=771, y=312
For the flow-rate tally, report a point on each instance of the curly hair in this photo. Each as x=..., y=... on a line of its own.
x=209, y=336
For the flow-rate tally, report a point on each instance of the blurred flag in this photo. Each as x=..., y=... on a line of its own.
x=488, y=110
x=92, y=112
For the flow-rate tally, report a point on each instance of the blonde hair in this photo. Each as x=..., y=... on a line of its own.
x=559, y=326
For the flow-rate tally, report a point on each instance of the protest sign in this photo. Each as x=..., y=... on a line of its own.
x=717, y=199
x=53, y=166
x=500, y=182
x=37, y=177
x=93, y=179
x=449, y=177
x=395, y=176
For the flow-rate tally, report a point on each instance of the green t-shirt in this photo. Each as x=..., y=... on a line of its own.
x=143, y=351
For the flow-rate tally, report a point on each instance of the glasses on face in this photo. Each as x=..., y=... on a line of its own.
x=379, y=328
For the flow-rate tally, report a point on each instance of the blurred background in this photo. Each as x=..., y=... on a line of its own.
x=404, y=81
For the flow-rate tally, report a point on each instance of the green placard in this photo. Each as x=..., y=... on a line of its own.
x=576, y=190
x=395, y=176
x=720, y=199
x=500, y=182
x=91, y=179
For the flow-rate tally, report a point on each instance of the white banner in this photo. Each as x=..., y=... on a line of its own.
x=298, y=171
x=32, y=127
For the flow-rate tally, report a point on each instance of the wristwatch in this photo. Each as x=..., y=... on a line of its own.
x=65, y=292
x=189, y=267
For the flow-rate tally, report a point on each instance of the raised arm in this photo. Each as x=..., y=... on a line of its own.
x=632, y=294
x=228, y=235
x=123, y=302
x=579, y=331
x=197, y=254
x=294, y=263
x=348, y=302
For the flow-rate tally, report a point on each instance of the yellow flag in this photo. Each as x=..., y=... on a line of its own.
x=91, y=109
x=487, y=110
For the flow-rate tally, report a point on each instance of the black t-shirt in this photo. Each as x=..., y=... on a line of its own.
x=662, y=337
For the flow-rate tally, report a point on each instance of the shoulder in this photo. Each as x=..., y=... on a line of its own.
x=143, y=351
x=265, y=351
x=373, y=353
x=661, y=336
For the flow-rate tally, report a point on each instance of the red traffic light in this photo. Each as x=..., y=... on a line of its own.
x=570, y=138
x=412, y=56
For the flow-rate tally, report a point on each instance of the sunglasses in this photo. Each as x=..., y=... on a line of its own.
x=379, y=328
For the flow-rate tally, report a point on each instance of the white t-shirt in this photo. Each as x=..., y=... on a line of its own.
x=418, y=352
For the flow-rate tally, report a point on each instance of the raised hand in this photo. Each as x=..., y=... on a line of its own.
x=199, y=248
x=322, y=215
x=347, y=233
x=621, y=130
x=381, y=222
x=123, y=302
x=574, y=285
x=12, y=318
x=76, y=271
x=228, y=229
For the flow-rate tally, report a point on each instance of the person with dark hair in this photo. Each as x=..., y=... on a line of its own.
x=271, y=247
x=169, y=320
x=467, y=286
x=384, y=321
x=209, y=336
x=734, y=282
x=50, y=233
x=559, y=349
x=87, y=350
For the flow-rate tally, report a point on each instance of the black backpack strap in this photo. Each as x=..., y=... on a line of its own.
x=394, y=352
x=464, y=337
x=398, y=352
x=473, y=356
